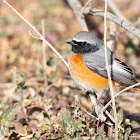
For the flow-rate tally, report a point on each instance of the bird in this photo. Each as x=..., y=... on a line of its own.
x=87, y=64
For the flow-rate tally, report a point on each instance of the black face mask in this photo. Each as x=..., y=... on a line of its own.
x=82, y=47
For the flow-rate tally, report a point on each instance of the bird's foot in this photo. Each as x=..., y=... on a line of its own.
x=99, y=111
x=97, y=106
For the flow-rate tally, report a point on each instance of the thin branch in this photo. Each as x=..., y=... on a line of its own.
x=77, y=8
x=125, y=89
x=121, y=22
x=35, y=37
x=90, y=114
x=115, y=10
x=86, y=4
x=109, y=76
x=37, y=32
x=113, y=120
x=108, y=114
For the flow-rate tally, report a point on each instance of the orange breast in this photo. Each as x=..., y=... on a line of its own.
x=82, y=74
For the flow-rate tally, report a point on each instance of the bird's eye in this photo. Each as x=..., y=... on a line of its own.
x=83, y=43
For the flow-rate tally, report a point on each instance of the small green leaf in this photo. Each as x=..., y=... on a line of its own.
x=120, y=119
x=64, y=126
x=100, y=135
x=81, y=124
x=47, y=127
x=120, y=133
x=66, y=117
x=120, y=116
x=37, y=135
x=127, y=132
x=59, y=122
x=67, y=137
x=135, y=124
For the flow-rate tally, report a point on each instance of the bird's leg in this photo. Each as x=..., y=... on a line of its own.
x=97, y=106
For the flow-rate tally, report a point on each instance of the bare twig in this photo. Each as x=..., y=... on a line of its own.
x=88, y=2
x=90, y=115
x=109, y=76
x=77, y=8
x=125, y=89
x=37, y=32
x=98, y=12
x=121, y=22
x=115, y=10
x=44, y=61
x=108, y=114
x=113, y=120
x=35, y=37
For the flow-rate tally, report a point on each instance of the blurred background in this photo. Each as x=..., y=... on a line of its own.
x=21, y=59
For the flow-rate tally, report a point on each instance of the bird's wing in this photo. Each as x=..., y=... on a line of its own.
x=119, y=71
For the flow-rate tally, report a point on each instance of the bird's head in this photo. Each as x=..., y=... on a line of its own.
x=85, y=42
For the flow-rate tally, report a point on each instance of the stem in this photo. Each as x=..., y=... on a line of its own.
x=108, y=73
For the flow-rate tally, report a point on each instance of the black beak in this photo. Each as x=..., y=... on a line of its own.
x=68, y=42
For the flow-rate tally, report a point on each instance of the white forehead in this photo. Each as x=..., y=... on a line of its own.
x=85, y=36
